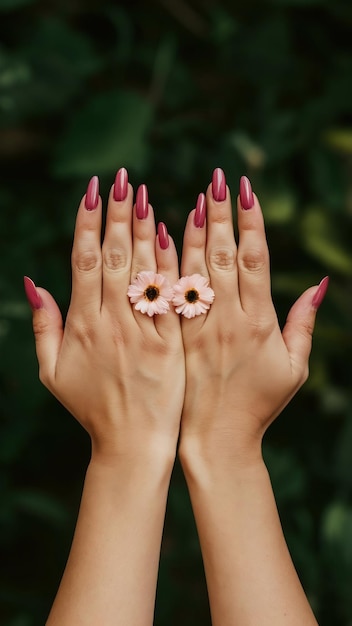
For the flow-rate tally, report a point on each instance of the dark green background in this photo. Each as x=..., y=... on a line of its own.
x=172, y=89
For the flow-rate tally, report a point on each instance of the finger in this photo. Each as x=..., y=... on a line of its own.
x=221, y=249
x=143, y=252
x=86, y=253
x=167, y=265
x=193, y=261
x=47, y=327
x=194, y=241
x=117, y=245
x=298, y=330
x=253, y=256
x=143, y=256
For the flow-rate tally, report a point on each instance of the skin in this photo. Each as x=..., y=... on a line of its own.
x=122, y=375
x=128, y=378
x=241, y=371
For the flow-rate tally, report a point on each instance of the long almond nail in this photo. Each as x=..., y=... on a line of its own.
x=246, y=194
x=121, y=185
x=200, y=212
x=92, y=195
x=33, y=297
x=219, y=185
x=320, y=293
x=142, y=202
x=163, y=236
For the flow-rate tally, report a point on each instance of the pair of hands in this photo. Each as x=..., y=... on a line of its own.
x=128, y=378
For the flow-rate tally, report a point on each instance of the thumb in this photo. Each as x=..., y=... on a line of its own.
x=47, y=327
x=298, y=330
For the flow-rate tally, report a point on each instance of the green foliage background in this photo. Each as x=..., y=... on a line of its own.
x=172, y=89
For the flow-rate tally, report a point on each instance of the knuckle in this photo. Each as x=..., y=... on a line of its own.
x=86, y=260
x=81, y=330
x=253, y=261
x=40, y=326
x=114, y=259
x=307, y=328
x=138, y=266
x=261, y=326
x=222, y=217
x=222, y=259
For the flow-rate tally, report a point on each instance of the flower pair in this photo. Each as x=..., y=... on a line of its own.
x=151, y=293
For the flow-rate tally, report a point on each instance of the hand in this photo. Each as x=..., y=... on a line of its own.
x=119, y=372
x=241, y=370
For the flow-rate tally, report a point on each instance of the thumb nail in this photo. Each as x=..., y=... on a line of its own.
x=320, y=293
x=32, y=294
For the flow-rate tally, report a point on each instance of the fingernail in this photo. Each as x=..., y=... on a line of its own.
x=219, y=185
x=142, y=202
x=200, y=212
x=163, y=236
x=32, y=294
x=92, y=195
x=246, y=194
x=320, y=293
x=121, y=185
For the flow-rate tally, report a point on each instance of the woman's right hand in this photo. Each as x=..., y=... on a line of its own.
x=241, y=370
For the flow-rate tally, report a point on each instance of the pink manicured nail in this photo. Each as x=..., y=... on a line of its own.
x=121, y=185
x=92, y=195
x=163, y=236
x=219, y=185
x=33, y=296
x=246, y=194
x=142, y=202
x=200, y=212
x=320, y=293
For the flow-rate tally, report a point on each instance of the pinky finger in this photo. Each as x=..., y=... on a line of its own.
x=167, y=263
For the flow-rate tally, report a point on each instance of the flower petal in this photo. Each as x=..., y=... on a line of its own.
x=197, y=283
x=137, y=293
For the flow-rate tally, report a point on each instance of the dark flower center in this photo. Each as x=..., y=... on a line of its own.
x=151, y=293
x=192, y=295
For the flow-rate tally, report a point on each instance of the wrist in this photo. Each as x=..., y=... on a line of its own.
x=152, y=457
x=215, y=453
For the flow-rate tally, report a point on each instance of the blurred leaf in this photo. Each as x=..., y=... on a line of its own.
x=49, y=68
x=340, y=139
x=320, y=239
x=110, y=132
x=279, y=208
x=253, y=155
x=334, y=521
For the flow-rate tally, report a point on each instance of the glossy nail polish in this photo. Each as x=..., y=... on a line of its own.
x=33, y=296
x=219, y=185
x=163, y=236
x=121, y=185
x=200, y=212
x=320, y=293
x=92, y=195
x=246, y=194
x=142, y=202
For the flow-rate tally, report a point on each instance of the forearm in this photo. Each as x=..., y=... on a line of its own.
x=111, y=573
x=250, y=575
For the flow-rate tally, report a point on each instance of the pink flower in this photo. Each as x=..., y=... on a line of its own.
x=192, y=295
x=150, y=293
